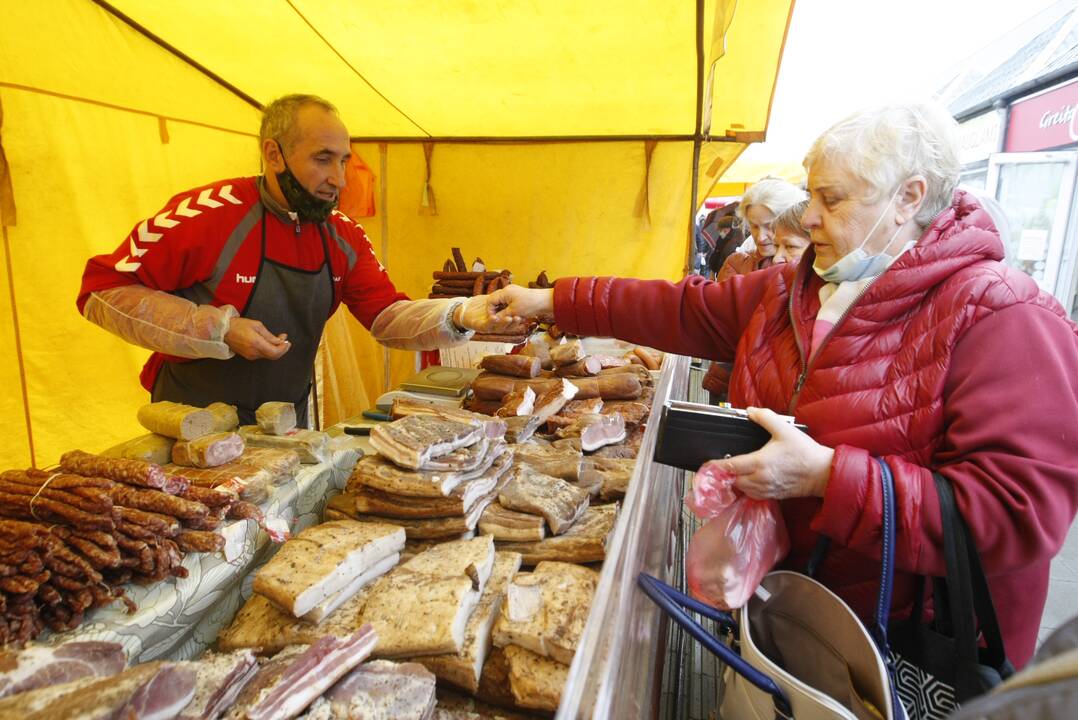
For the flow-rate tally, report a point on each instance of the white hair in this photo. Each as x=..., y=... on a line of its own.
x=773, y=193
x=888, y=144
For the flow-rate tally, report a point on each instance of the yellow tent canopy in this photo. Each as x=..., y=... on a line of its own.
x=570, y=137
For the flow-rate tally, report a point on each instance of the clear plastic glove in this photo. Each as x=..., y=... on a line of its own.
x=419, y=325
x=739, y=544
x=515, y=303
x=162, y=322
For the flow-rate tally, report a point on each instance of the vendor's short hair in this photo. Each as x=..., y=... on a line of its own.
x=888, y=144
x=773, y=193
x=279, y=117
x=790, y=219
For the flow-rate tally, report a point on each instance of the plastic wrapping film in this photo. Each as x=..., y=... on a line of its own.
x=616, y=672
x=158, y=321
x=418, y=325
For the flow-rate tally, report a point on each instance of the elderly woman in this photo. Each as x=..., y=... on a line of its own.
x=900, y=334
x=761, y=204
x=790, y=240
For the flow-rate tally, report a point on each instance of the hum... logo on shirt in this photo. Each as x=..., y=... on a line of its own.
x=246, y=279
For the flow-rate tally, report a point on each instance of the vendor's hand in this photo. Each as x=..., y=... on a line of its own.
x=251, y=340
x=479, y=314
x=790, y=465
x=522, y=304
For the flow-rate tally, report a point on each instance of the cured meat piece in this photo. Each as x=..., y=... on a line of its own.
x=383, y=689
x=281, y=689
x=264, y=627
x=29, y=703
x=176, y=420
x=153, y=690
x=208, y=451
x=611, y=474
x=576, y=408
x=615, y=386
x=584, y=542
x=551, y=402
x=465, y=669
x=520, y=429
x=518, y=402
x=538, y=348
x=652, y=359
x=422, y=606
x=503, y=524
x=376, y=472
x=494, y=682
x=493, y=428
x=367, y=500
x=310, y=444
x=321, y=560
x=441, y=527
x=151, y=448
x=633, y=412
x=355, y=584
x=132, y=472
x=464, y=459
x=595, y=431
x=609, y=361
x=549, y=460
x=535, y=681
x=566, y=353
x=276, y=418
x=546, y=610
x=219, y=679
x=37, y=666
x=585, y=367
x=412, y=441
x=200, y=541
x=225, y=417
x=157, y=502
x=556, y=500
x=523, y=366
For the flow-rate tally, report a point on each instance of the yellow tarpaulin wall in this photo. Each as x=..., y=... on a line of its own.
x=564, y=138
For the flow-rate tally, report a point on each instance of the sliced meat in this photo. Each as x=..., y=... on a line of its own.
x=564, y=463
x=584, y=542
x=320, y=561
x=492, y=427
x=209, y=450
x=546, y=610
x=378, y=473
x=520, y=429
x=551, y=402
x=38, y=666
x=462, y=459
x=310, y=444
x=162, y=697
x=585, y=367
x=518, y=402
x=219, y=679
x=611, y=474
x=566, y=353
x=536, y=682
x=412, y=441
x=465, y=668
x=276, y=418
x=383, y=689
x=368, y=500
x=509, y=525
x=556, y=500
x=595, y=431
x=634, y=412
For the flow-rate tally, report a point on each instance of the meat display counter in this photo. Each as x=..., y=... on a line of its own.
x=618, y=669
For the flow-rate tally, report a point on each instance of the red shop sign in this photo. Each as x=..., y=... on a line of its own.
x=1044, y=121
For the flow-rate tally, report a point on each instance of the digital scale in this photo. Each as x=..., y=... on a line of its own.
x=436, y=385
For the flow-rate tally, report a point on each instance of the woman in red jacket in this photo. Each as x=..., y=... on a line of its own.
x=901, y=335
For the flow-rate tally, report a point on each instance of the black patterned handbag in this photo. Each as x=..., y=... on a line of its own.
x=960, y=654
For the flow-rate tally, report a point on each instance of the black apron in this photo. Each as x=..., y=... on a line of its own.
x=285, y=299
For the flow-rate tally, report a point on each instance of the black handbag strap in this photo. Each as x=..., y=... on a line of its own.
x=969, y=599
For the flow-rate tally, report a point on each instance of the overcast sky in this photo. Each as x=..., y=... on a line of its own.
x=842, y=55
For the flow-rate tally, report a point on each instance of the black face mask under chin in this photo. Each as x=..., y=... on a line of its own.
x=309, y=208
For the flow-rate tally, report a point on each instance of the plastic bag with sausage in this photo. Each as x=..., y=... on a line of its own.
x=741, y=541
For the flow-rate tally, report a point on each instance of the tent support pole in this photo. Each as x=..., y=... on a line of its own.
x=18, y=348
x=697, y=140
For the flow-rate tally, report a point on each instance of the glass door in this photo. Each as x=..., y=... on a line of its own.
x=1036, y=190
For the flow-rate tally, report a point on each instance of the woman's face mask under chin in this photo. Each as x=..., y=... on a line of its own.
x=858, y=264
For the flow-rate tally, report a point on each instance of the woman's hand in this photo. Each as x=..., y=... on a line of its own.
x=518, y=304
x=790, y=465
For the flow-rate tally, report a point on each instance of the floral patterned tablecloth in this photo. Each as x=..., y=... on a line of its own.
x=177, y=619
